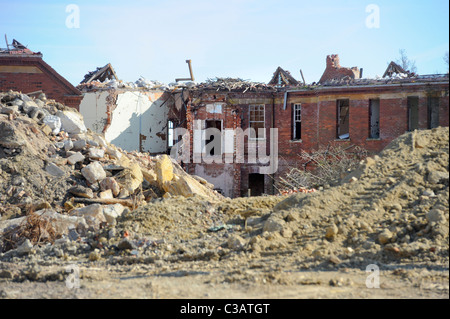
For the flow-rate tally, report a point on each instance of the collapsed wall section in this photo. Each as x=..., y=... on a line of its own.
x=131, y=119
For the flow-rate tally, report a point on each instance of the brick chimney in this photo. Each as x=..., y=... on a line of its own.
x=334, y=71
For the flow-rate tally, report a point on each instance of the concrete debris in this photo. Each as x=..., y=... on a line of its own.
x=93, y=172
x=46, y=152
x=75, y=158
x=71, y=122
x=54, y=170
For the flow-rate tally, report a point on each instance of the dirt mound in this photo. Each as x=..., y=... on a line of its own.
x=394, y=207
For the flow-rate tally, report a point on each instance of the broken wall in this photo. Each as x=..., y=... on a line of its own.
x=130, y=119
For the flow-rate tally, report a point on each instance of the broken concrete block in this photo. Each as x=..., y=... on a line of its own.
x=123, y=193
x=68, y=145
x=9, y=224
x=71, y=122
x=9, y=110
x=96, y=153
x=130, y=178
x=59, y=145
x=111, y=212
x=113, y=153
x=100, y=140
x=75, y=158
x=54, y=170
x=93, y=172
x=79, y=145
x=53, y=122
x=436, y=177
x=107, y=194
x=164, y=170
x=92, y=143
x=236, y=242
x=28, y=104
x=36, y=114
x=185, y=186
x=110, y=183
x=64, y=223
x=274, y=224
x=25, y=248
x=93, y=214
x=10, y=136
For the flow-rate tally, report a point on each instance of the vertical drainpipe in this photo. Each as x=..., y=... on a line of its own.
x=273, y=126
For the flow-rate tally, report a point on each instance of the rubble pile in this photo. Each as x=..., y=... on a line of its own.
x=233, y=84
x=51, y=166
x=68, y=196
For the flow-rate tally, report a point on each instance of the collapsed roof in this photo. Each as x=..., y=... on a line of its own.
x=17, y=48
x=283, y=78
x=232, y=84
x=393, y=69
x=101, y=74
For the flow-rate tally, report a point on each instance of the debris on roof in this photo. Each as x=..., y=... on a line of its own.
x=283, y=78
x=17, y=48
x=233, y=84
x=395, y=70
x=101, y=74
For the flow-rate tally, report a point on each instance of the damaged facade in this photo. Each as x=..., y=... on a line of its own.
x=24, y=70
x=132, y=119
x=345, y=110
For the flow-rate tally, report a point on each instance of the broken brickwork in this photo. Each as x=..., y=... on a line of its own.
x=335, y=71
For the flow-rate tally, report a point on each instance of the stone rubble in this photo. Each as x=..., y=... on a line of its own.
x=47, y=152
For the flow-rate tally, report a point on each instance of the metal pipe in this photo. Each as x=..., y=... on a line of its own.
x=190, y=72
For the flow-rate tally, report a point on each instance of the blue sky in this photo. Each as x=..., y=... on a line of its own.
x=233, y=38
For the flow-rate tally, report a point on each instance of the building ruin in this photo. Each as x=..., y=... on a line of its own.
x=343, y=109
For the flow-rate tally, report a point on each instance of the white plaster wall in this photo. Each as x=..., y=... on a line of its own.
x=93, y=109
x=154, y=124
x=136, y=113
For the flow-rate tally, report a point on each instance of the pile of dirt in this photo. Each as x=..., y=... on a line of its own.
x=392, y=209
x=53, y=167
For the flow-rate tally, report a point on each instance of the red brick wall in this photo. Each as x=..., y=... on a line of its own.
x=47, y=81
x=319, y=122
x=335, y=71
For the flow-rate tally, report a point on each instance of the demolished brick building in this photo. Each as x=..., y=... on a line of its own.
x=24, y=70
x=342, y=110
x=134, y=116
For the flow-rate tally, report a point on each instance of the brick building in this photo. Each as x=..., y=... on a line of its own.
x=25, y=71
x=368, y=113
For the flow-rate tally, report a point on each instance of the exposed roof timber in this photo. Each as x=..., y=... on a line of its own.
x=101, y=74
x=394, y=68
x=286, y=77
